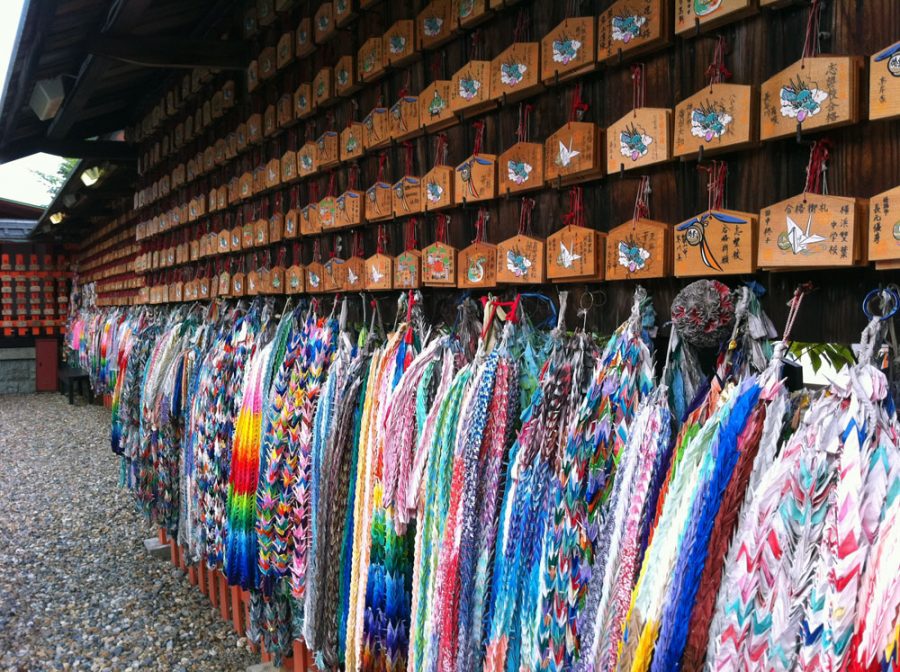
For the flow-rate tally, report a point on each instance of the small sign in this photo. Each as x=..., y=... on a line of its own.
x=567, y=51
x=716, y=118
x=575, y=253
x=438, y=188
x=716, y=242
x=379, y=202
x=884, y=83
x=399, y=43
x=345, y=78
x=640, y=138
x=638, y=249
x=572, y=154
x=521, y=168
x=434, y=106
x=370, y=59
x=632, y=27
x=379, y=273
x=477, y=266
x=408, y=270
x=439, y=265
x=476, y=179
x=434, y=24
x=470, y=88
x=515, y=73
x=520, y=260
x=349, y=209
x=352, y=139
x=407, y=196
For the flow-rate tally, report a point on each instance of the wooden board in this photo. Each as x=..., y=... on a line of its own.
x=884, y=83
x=438, y=188
x=576, y=254
x=638, y=250
x=632, y=27
x=434, y=24
x=573, y=154
x=477, y=266
x=567, y=50
x=884, y=226
x=520, y=260
x=516, y=72
x=476, y=179
x=641, y=138
x=439, y=265
x=716, y=242
x=702, y=15
x=470, y=88
x=521, y=168
x=400, y=43
x=719, y=117
x=434, y=106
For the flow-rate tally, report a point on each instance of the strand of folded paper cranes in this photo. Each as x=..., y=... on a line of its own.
x=493, y=495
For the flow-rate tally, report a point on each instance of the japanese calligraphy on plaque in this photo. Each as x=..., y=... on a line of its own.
x=884, y=229
x=884, y=83
x=327, y=150
x=405, y=118
x=631, y=27
x=572, y=154
x=575, y=253
x=407, y=196
x=439, y=265
x=640, y=138
x=408, y=270
x=568, y=50
x=520, y=260
x=811, y=231
x=349, y=209
x=315, y=283
x=638, y=249
x=716, y=242
x=515, y=73
x=470, y=87
x=477, y=266
x=379, y=272
x=355, y=274
x=718, y=117
x=707, y=14
x=377, y=125
x=434, y=106
x=437, y=188
x=476, y=179
x=379, y=202
x=521, y=168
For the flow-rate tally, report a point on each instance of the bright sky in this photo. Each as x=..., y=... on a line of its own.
x=17, y=181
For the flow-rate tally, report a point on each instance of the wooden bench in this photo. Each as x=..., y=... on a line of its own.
x=68, y=377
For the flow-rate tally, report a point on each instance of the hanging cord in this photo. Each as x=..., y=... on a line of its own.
x=440, y=150
x=382, y=160
x=407, y=158
x=578, y=107
x=525, y=211
x=811, y=40
x=410, y=242
x=353, y=177
x=637, y=86
x=794, y=308
x=442, y=229
x=522, y=131
x=523, y=27
x=479, y=137
x=481, y=224
x=330, y=191
x=575, y=215
x=717, y=73
x=381, y=239
x=356, y=245
x=476, y=46
x=816, y=169
x=642, y=200
x=716, y=174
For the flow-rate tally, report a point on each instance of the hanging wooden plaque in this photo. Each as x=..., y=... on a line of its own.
x=355, y=274
x=572, y=154
x=641, y=138
x=315, y=272
x=631, y=27
x=815, y=93
x=400, y=43
x=408, y=270
x=716, y=242
x=477, y=266
x=407, y=196
x=351, y=141
x=345, y=80
x=343, y=12
x=884, y=229
x=303, y=101
x=327, y=150
x=476, y=179
x=255, y=129
x=309, y=220
x=262, y=281
x=568, y=50
x=307, y=160
x=295, y=279
x=248, y=235
x=237, y=285
x=265, y=12
x=285, y=50
x=439, y=265
x=812, y=231
x=884, y=83
x=405, y=118
x=268, y=62
x=637, y=250
x=470, y=13
x=252, y=76
x=693, y=15
x=259, y=178
x=224, y=241
x=470, y=88
x=434, y=106
x=379, y=202
x=323, y=88
x=273, y=173
x=516, y=72
x=303, y=44
x=520, y=260
x=176, y=292
x=326, y=211
x=276, y=228
x=224, y=284
x=716, y=118
x=379, y=273
x=261, y=233
x=434, y=24
x=323, y=23
x=289, y=166
x=292, y=223
x=378, y=128
x=521, y=168
x=349, y=209
x=237, y=236
x=438, y=188
x=576, y=253
x=370, y=59
x=276, y=280
x=334, y=274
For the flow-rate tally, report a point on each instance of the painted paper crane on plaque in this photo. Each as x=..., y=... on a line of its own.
x=642, y=137
x=812, y=230
x=568, y=50
x=520, y=259
x=717, y=241
x=573, y=153
x=439, y=258
x=718, y=117
x=638, y=248
x=884, y=229
x=355, y=268
x=575, y=253
x=380, y=266
x=884, y=83
x=477, y=263
x=315, y=272
x=521, y=167
x=631, y=27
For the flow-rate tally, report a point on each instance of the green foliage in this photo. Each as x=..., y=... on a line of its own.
x=55, y=181
x=835, y=354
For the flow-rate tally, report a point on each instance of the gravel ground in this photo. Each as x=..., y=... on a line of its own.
x=77, y=589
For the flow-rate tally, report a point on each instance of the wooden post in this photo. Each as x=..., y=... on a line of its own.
x=237, y=610
x=212, y=590
x=223, y=596
x=161, y=535
x=266, y=656
x=173, y=552
x=299, y=657
x=192, y=574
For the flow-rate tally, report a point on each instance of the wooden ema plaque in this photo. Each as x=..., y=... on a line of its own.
x=575, y=253
x=400, y=43
x=812, y=231
x=351, y=145
x=521, y=168
x=349, y=209
x=407, y=196
x=289, y=166
x=355, y=274
x=884, y=229
x=238, y=285
x=303, y=101
x=285, y=50
x=276, y=228
x=716, y=118
x=434, y=24
x=378, y=128
x=327, y=150
x=292, y=223
x=470, y=88
x=327, y=211
x=303, y=44
x=334, y=273
x=572, y=154
x=315, y=283
x=273, y=173
x=370, y=60
x=260, y=233
x=408, y=270
x=309, y=220
x=224, y=241
x=638, y=250
x=307, y=160
x=345, y=79
x=323, y=88
x=248, y=235
x=568, y=50
x=631, y=27
x=254, y=129
x=437, y=188
x=285, y=108
x=470, y=13
x=716, y=242
x=439, y=265
x=295, y=279
x=516, y=72
x=476, y=179
x=640, y=138
x=815, y=93
x=224, y=284
x=379, y=202
x=405, y=118
x=237, y=235
x=323, y=23
x=520, y=261
x=884, y=83
x=343, y=12
x=268, y=64
x=693, y=15
x=434, y=106
x=477, y=266
x=252, y=76
x=379, y=273
x=276, y=281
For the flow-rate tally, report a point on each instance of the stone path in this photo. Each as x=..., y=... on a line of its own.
x=77, y=589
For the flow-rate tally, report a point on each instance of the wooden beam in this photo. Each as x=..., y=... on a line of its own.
x=173, y=52
x=97, y=150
